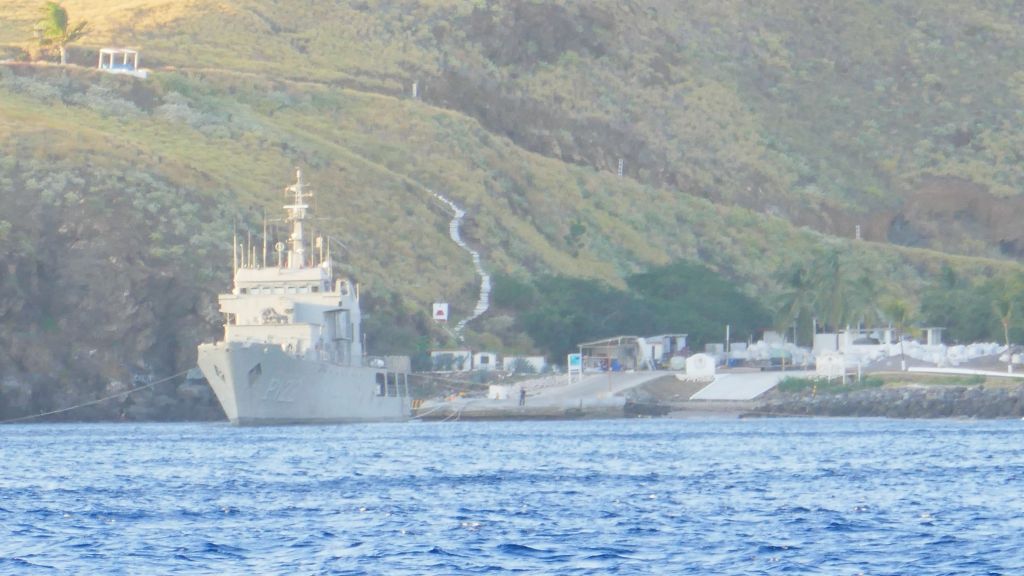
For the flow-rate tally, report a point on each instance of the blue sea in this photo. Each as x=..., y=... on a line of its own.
x=704, y=496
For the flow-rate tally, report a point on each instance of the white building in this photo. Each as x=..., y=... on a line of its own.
x=700, y=365
x=661, y=348
x=485, y=361
x=830, y=364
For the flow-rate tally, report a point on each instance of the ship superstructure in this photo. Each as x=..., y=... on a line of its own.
x=292, y=349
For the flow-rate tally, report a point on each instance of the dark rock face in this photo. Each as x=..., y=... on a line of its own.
x=190, y=400
x=634, y=409
x=922, y=402
x=108, y=283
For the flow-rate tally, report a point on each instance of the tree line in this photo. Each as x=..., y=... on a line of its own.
x=836, y=289
x=559, y=312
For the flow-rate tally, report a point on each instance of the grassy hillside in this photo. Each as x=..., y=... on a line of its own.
x=890, y=115
x=753, y=138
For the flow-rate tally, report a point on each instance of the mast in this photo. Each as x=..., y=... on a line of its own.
x=297, y=215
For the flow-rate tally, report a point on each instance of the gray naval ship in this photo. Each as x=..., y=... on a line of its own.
x=292, y=350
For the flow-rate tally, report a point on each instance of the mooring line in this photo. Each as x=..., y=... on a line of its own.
x=91, y=402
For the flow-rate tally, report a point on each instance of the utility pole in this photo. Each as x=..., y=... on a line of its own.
x=727, y=346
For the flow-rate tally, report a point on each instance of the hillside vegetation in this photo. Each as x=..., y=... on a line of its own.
x=754, y=138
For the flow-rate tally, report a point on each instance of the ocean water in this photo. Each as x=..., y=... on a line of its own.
x=785, y=496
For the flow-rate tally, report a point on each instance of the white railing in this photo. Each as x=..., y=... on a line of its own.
x=484, y=301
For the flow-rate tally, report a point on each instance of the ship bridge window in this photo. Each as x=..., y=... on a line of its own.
x=291, y=289
x=303, y=289
x=244, y=290
x=265, y=290
x=392, y=384
x=278, y=289
x=380, y=384
x=316, y=288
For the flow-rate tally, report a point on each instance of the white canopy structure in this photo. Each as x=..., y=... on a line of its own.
x=121, y=61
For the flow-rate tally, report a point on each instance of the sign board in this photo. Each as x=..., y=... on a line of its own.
x=440, y=311
x=574, y=367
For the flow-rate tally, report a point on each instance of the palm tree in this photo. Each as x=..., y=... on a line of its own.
x=1007, y=290
x=847, y=292
x=898, y=312
x=1003, y=309
x=831, y=280
x=53, y=29
x=796, y=302
x=862, y=296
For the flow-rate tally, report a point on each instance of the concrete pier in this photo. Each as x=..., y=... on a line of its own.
x=595, y=396
x=606, y=394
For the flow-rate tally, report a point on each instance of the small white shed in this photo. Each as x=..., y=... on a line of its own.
x=830, y=364
x=501, y=391
x=700, y=365
x=485, y=361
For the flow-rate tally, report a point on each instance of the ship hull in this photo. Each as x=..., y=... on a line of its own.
x=259, y=384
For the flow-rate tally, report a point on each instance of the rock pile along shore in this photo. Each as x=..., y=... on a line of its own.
x=905, y=402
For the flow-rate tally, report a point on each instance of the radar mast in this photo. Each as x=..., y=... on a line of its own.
x=297, y=215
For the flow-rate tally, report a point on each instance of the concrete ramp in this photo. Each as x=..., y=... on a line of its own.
x=744, y=386
x=596, y=395
x=601, y=385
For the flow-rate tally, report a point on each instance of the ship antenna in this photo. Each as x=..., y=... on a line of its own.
x=264, y=237
x=297, y=215
x=234, y=249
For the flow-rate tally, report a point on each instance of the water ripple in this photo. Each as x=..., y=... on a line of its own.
x=811, y=496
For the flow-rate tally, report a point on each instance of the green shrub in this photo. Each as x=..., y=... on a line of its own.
x=794, y=385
